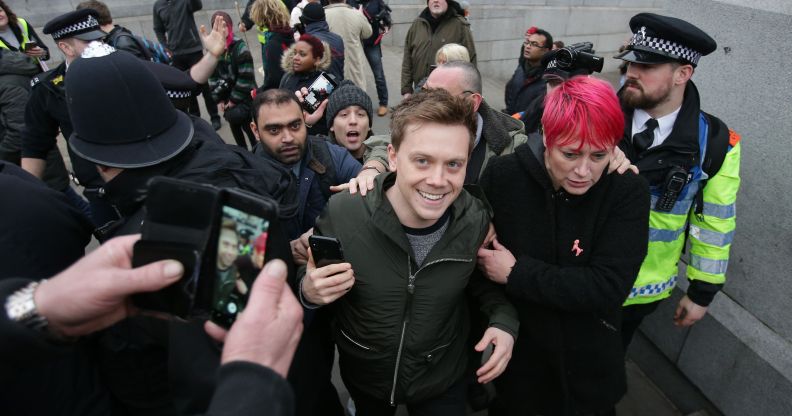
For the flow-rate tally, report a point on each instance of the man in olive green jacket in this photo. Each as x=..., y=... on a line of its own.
x=437, y=25
x=401, y=319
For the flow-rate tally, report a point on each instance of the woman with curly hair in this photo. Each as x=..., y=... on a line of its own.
x=302, y=64
x=273, y=15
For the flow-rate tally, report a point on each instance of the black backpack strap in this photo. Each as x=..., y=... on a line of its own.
x=322, y=163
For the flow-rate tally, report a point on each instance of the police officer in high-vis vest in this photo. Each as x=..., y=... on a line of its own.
x=46, y=112
x=691, y=160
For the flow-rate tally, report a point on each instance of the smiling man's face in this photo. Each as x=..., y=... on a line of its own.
x=430, y=167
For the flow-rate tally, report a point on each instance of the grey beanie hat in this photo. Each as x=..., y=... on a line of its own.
x=346, y=94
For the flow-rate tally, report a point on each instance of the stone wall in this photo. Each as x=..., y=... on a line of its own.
x=740, y=355
x=498, y=25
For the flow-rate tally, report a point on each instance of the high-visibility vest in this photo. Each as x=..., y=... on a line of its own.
x=710, y=234
x=23, y=25
x=262, y=34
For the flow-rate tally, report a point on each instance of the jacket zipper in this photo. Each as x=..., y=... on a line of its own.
x=406, y=318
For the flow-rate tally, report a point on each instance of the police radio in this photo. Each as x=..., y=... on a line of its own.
x=675, y=181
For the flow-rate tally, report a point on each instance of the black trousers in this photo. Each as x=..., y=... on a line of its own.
x=238, y=118
x=450, y=403
x=632, y=316
x=184, y=62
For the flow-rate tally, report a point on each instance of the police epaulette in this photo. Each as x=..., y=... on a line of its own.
x=34, y=81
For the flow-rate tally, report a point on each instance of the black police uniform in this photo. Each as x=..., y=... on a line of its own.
x=45, y=114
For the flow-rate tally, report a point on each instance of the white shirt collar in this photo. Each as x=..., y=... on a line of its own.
x=479, y=128
x=664, y=125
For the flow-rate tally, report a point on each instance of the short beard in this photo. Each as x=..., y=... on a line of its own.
x=640, y=100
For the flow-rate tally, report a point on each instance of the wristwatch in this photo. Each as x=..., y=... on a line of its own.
x=21, y=308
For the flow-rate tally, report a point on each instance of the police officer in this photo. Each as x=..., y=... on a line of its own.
x=691, y=160
x=46, y=111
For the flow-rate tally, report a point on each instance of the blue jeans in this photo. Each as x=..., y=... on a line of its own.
x=374, y=57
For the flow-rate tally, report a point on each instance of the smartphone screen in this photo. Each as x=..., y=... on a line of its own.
x=241, y=249
x=319, y=90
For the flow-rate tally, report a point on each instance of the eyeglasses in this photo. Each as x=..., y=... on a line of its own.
x=534, y=44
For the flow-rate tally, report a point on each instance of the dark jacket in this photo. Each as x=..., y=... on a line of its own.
x=422, y=43
x=175, y=27
x=293, y=81
x=16, y=70
x=279, y=42
x=568, y=359
x=314, y=174
x=46, y=113
x=232, y=396
x=175, y=362
x=41, y=233
x=400, y=322
x=525, y=85
x=122, y=39
x=322, y=31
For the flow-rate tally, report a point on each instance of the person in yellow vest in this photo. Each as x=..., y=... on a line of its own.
x=17, y=35
x=691, y=161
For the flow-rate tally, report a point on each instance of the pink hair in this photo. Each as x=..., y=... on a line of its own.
x=583, y=108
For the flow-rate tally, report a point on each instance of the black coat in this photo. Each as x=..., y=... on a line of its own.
x=525, y=85
x=568, y=358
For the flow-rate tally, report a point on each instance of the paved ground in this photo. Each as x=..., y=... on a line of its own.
x=643, y=397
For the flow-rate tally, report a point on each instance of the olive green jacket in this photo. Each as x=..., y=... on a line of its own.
x=402, y=330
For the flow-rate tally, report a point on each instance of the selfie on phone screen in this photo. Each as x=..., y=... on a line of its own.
x=241, y=245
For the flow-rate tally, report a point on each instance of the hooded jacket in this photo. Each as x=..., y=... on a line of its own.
x=422, y=43
x=293, y=81
x=175, y=27
x=402, y=329
x=568, y=359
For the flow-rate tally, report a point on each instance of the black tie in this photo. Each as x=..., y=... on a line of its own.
x=644, y=139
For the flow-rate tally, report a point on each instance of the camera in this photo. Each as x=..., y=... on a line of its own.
x=319, y=91
x=579, y=56
x=206, y=228
x=222, y=90
x=383, y=18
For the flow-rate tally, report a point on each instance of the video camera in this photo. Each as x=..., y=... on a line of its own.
x=579, y=56
x=200, y=226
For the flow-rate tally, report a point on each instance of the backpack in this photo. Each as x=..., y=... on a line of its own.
x=153, y=51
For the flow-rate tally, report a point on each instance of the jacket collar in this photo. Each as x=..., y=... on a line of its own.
x=497, y=128
x=465, y=210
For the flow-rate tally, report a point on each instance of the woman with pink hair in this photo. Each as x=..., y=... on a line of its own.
x=570, y=241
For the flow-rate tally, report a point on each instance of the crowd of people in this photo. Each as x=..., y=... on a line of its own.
x=498, y=259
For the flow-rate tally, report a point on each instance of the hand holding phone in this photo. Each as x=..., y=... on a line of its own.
x=331, y=280
x=318, y=92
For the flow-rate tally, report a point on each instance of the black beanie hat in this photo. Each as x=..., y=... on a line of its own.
x=346, y=94
x=313, y=12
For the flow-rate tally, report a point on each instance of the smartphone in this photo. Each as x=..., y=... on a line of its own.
x=176, y=299
x=325, y=250
x=30, y=45
x=177, y=225
x=242, y=239
x=487, y=353
x=319, y=90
